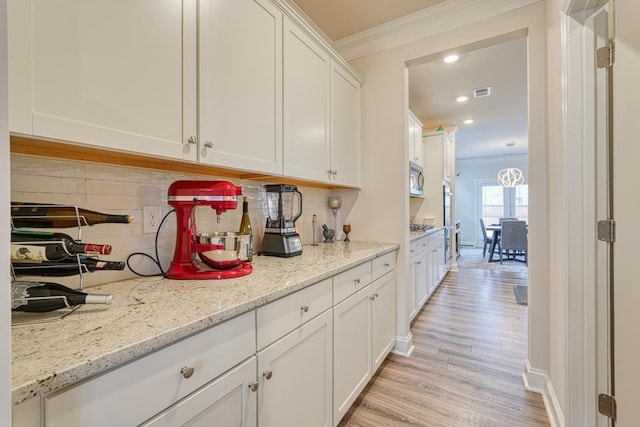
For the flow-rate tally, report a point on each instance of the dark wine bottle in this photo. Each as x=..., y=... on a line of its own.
x=245, y=228
x=68, y=267
x=43, y=215
x=40, y=297
x=39, y=246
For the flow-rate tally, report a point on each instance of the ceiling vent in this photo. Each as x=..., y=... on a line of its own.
x=482, y=91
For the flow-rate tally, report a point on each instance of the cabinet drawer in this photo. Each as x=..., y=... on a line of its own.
x=387, y=262
x=138, y=390
x=284, y=315
x=351, y=281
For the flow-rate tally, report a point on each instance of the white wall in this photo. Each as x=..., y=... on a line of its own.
x=468, y=174
x=385, y=150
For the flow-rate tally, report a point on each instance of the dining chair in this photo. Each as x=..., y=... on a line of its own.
x=513, y=237
x=506, y=219
x=486, y=239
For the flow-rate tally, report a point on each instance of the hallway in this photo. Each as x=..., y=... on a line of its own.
x=470, y=346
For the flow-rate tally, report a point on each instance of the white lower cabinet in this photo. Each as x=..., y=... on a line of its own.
x=383, y=314
x=363, y=335
x=230, y=400
x=135, y=392
x=299, y=361
x=352, y=350
x=296, y=377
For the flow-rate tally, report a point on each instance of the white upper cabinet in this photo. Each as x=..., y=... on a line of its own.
x=307, y=148
x=101, y=73
x=345, y=128
x=240, y=84
x=416, y=150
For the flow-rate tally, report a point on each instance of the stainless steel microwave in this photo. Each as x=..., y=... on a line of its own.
x=416, y=180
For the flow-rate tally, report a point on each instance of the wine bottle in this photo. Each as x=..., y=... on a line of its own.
x=68, y=267
x=47, y=296
x=39, y=246
x=245, y=227
x=43, y=215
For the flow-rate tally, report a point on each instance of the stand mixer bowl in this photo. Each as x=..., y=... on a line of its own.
x=232, y=249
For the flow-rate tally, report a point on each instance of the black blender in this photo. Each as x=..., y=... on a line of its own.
x=280, y=236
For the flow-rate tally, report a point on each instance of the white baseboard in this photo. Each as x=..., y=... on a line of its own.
x=404, y=345
x=538, y=381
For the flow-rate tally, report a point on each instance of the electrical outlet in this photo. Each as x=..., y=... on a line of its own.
x=152, y=216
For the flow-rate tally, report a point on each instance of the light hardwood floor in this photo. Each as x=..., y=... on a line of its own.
x=470, y=345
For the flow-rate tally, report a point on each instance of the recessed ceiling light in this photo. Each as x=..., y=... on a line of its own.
x=450, y=59
x=462, y=98
x=468, y=121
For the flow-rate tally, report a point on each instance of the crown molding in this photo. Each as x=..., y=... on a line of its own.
x=436, y=19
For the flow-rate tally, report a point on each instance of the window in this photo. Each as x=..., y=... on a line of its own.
x=499, y=202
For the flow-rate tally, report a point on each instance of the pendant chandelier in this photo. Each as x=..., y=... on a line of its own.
x=510, y=177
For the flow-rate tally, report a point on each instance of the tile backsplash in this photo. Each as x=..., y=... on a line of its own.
x=125, y=190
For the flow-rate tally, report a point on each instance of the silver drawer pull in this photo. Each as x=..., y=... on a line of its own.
x=305, y=308
x=208, y=144
x=267, y=374
x=187, y=371
x=386, y=264
x=357, y=280
x=192, y=140
x=253, y=386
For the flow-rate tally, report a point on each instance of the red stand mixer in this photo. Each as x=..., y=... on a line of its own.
x=198, y=255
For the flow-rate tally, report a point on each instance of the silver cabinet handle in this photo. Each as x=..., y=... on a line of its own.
x=357, y=280
x=208, y=144
x=267, y=374
x=420, y=262
x=192, y=140
x=334, y=173
x=374, y=296
x=253, y=386
x=187, y=371
x=305, y=308
x=386, y=264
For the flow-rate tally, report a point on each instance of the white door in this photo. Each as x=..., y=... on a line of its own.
x=240, y=78
x=296, y=377
x=351, y=350
x=383, y=329
x=626, y=175
x=306, y=106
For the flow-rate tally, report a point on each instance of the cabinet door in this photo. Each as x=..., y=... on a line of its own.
x=296, y=377
x=422, y=285
x=383, y=329
x=306, y=106
x=412, y=291
x=230, y=400
x=351, y=350
x=89, y=72
x=345, y=128
x=240, y=84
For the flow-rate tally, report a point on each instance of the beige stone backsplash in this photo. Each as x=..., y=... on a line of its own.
x=125, y=190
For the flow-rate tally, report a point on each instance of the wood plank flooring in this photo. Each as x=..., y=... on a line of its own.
x=470, y=345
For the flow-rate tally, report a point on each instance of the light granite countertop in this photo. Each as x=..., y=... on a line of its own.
x=149, y=313
x=415, y=235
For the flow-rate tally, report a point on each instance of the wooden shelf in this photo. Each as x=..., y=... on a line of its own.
x=20, y=144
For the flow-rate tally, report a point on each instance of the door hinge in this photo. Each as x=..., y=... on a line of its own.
x=607, y=406
x=607, y=230
x=606, y=56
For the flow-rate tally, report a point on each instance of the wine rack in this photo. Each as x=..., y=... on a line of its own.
x=24, y=318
